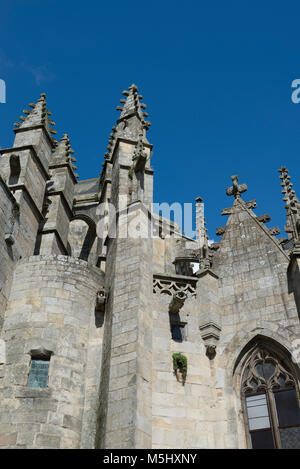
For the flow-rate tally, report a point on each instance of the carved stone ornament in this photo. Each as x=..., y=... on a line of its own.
x=210, y=333
x=221, y=230
x=274, y=231
x=236, y=189
x=101, y=300
x=177, y=302
x=264, y=218
x=170, y=287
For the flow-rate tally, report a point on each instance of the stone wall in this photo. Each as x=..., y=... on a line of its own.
x=8, y=254
x=253, y=299
x=51, y=306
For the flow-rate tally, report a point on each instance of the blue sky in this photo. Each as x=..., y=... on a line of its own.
x=216, y=77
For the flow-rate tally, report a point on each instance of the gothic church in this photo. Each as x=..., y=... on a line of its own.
x=123, y=341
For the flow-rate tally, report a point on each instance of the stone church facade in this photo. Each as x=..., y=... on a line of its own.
x=142, y=338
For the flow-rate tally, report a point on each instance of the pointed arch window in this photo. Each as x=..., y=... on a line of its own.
x=271, y=401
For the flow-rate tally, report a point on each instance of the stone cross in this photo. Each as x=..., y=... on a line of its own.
x=236, y=189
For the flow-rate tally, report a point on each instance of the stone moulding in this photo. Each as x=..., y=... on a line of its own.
x=210, y=333
x=41, y=352
x=251, y=205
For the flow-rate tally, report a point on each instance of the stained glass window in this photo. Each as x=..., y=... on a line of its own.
x=38, y=376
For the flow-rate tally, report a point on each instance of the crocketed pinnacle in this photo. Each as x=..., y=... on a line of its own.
x=292, y=204
x=64, y=154
x=133, y=105
x=131, y=123
x=36, y=116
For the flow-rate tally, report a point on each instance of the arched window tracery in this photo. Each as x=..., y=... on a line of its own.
x=271, y=401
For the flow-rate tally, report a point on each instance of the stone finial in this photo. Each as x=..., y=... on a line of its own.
x=236, y=189
x=38, y=115
x=63, y=154
x=132, y=120
x=132, y=105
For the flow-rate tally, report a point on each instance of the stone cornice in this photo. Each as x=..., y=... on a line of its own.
x=202, y=273
x=125, y=140
x=174, y=277
x=126, y=166
x=64, y=165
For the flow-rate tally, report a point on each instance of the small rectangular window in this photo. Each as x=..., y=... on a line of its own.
x=178, y=332
x=38, y=376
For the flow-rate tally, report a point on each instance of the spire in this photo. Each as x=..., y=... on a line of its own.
x=132, y=105
x=64, y=154
x=292, y=205
x=131, y=124
x=36, y=116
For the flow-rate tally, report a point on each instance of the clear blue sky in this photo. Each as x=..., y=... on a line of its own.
x=216, y=77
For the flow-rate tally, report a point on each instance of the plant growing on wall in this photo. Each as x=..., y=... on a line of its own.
x=180, y=364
